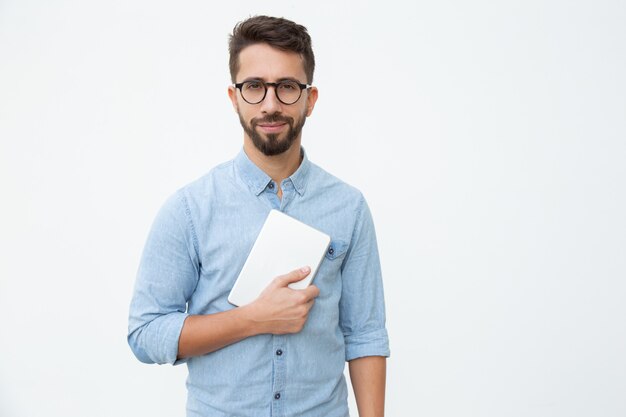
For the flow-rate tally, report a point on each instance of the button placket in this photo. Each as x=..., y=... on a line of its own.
x=279, y=353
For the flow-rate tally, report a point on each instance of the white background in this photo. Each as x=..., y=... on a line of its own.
x=488, y=137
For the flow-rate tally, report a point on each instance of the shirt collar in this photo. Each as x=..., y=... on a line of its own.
x=257, y=179
x=300, y=177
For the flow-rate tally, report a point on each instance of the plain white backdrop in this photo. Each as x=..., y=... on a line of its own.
x=488, y=137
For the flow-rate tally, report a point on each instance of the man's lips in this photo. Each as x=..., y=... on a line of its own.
x=271, y=127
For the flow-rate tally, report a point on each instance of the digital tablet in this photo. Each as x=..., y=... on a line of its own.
x=284, y=244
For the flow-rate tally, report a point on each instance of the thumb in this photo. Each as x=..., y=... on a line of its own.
x=293, y=276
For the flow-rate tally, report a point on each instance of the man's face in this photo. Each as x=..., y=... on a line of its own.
x=271, y=125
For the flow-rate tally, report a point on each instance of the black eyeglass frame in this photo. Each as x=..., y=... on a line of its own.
x=275, y=85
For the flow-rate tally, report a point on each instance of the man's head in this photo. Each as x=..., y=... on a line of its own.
x=263, y=51
x=279, y=33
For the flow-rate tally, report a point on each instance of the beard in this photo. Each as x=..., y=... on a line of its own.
x=271, y=145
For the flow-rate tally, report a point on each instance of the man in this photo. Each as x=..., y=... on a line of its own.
x=284, y=353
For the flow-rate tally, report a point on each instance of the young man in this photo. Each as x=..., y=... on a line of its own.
x=284, y=353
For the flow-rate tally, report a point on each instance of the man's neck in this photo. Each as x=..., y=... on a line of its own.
x=278, y=167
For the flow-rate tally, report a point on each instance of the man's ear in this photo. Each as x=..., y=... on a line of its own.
x=311, y=98
x=232, y=95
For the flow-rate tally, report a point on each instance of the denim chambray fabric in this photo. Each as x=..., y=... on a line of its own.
x=194, y=252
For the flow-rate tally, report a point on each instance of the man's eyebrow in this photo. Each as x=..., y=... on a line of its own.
x=253, y=79
x=278, y=80
x=289, y=79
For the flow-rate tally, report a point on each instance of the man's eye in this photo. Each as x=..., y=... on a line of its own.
x=254, y=86
x=288, y=86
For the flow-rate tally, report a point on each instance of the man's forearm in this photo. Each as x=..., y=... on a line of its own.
x=368, y=376
x=278, y=310
x=203, y=334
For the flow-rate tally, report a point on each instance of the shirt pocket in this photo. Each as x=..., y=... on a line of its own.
x=328, y=277
x=336, y=250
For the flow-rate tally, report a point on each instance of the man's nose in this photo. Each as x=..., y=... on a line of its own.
x=270, y=103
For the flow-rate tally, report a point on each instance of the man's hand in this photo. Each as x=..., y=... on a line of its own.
x=280, y=309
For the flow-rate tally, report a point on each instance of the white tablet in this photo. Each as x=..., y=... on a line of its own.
x=284, y=244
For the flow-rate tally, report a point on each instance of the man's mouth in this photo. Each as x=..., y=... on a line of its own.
x=272, y=127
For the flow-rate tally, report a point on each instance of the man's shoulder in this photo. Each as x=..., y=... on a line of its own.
x=324, y=181
x=209, y=180
x=197, y=194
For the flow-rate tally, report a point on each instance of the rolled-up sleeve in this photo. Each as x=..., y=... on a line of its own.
x=166, y=279
x=362, y=304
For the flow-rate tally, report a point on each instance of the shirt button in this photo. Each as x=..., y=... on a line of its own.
x=331, y=251
x=279, y=352
x=270, y=186
x=277, y=396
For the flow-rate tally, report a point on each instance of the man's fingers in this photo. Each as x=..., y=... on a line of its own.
x=311, y=292
x=294, y=276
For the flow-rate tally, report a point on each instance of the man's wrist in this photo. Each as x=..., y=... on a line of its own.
x=250, y=326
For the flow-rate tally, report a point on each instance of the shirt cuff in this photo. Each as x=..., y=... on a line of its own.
x=373, y=343
x=174, y=329
x=157, y=341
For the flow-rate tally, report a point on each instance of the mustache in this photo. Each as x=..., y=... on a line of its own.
x=272, y=118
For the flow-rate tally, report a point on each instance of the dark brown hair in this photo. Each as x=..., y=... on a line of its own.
x=277, y=32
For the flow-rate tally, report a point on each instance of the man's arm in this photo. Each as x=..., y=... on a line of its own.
x=362, y=317
x=368, y=376
x=278, y=310
x=159, y=328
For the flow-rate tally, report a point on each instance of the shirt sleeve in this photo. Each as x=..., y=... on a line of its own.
x=362, y=305
x=166, y=278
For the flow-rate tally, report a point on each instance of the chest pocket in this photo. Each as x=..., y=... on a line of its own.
x=336, y=250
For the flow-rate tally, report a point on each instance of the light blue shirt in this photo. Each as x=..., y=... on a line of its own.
x=194, y=252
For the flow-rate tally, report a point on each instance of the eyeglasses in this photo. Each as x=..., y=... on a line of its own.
x=287, y=91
